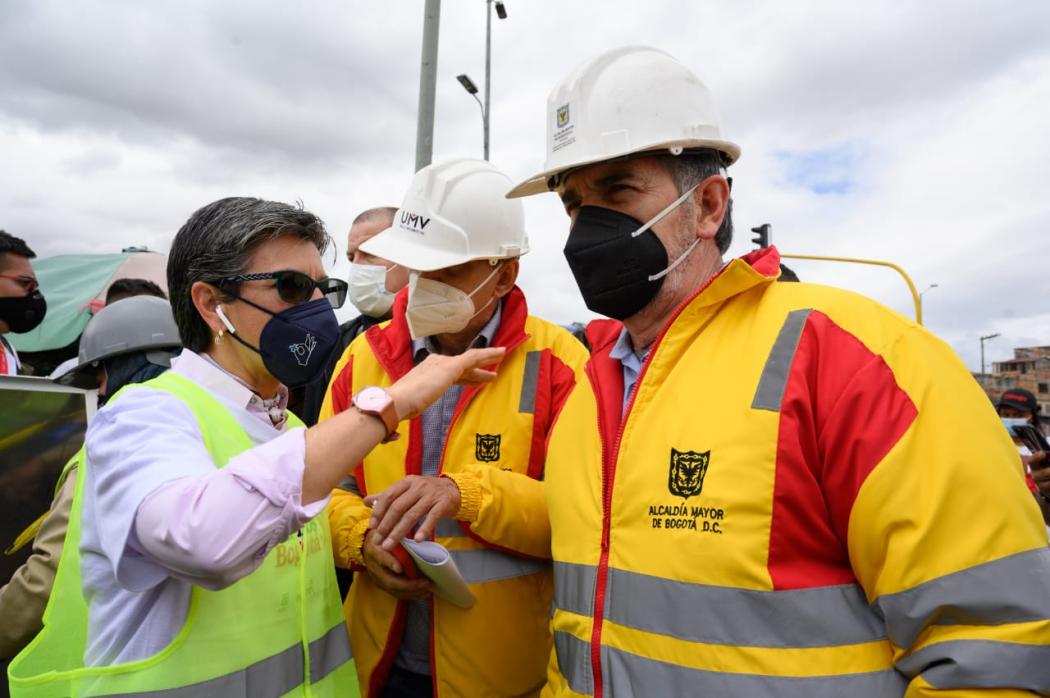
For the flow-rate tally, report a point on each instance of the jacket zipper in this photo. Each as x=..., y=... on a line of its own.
x=603, y=560
x=609, y=459
x=461, y=407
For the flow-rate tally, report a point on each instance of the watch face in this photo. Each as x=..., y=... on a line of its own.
x=372, y=398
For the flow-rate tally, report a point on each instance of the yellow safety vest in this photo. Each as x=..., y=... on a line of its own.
x=277, y=632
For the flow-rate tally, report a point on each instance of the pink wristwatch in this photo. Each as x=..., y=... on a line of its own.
x=377, y=402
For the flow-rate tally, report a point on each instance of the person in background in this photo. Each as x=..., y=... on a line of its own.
x=471, y=465
x=787, y=274
x=198, y=566
x=1018, y=407
x=146, y=338
x=22, y=305
x=129, y=287
x=373, y=281
x=118, y=290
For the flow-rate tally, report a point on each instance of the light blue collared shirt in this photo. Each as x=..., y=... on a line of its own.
x=632, y=361
x=414, y=652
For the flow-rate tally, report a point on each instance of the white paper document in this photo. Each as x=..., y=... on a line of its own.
x=436, y=564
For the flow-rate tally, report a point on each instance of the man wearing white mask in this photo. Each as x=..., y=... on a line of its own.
x=471, y=468
x=373, y=283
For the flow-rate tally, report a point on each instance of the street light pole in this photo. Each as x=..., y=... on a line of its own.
x=472, y=90
x=427, y=84
x=984, y=339
x=468, y=84
x=928, y=288
x=488, y=73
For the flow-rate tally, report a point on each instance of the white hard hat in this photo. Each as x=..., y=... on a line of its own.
x=455, y=211
x=626, y=101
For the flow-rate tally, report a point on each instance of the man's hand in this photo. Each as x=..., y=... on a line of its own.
x=396, y=509
x=1040, y=472
x=425, y=383
x=386, y=572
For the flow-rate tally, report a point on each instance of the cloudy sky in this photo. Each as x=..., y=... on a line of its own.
x=914, y=132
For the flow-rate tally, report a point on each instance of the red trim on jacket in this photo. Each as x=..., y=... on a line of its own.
x=838, y=420
x=766, y=261
x=382, y=671
x=562, y=379
x=541, y=415
x=602, y=334
x=341, y=387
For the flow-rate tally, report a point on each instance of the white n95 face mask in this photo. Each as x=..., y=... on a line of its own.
x=368, y=289
x=437, y=308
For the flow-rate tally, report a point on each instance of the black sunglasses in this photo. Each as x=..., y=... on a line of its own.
x=295, y=287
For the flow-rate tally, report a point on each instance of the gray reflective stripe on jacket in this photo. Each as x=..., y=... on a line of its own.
x=972, y=664
x=773, y=381
x=270, y=677
x=1013, y=589
x=627, y=674
x=486, y=565
x=349, y=484
x=448, y=528
x=795, y=618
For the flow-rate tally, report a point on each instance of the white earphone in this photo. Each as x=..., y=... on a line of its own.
x=225, y=320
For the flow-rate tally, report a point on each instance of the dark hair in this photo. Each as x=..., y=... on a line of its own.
x=218, y=241
x=692, y=167
x=126, y=288
x=9, y=244
x=787, y=274
x=374, y=213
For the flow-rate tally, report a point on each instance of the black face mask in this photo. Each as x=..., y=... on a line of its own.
x=618, y=261
x=611, y=267
x=23, y=313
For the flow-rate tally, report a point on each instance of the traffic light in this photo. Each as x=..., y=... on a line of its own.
x=762, y=235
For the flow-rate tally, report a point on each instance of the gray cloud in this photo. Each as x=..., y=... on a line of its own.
x=118, y=118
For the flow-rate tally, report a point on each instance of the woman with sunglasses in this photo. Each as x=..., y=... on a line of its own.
x=198, y=537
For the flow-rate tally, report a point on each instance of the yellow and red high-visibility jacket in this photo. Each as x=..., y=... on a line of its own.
x=808, y=496
x=495, y=451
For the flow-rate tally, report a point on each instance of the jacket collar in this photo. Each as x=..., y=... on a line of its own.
x=392, y=342
x=742, y=274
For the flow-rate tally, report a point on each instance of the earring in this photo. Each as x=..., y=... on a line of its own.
x=218, y=337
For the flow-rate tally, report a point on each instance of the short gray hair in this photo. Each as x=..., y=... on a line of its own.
x=218, y=241
x=377, y=213
x=692, y=167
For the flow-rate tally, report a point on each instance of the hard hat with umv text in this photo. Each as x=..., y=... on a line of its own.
x=454, y=212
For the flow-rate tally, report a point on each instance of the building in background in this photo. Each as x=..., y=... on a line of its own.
x=1028, y=369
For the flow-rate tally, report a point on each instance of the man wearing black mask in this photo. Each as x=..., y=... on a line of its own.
x=762, y=489
x=22, y=306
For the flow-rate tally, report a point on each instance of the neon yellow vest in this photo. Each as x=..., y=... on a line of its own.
x=277, y=632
